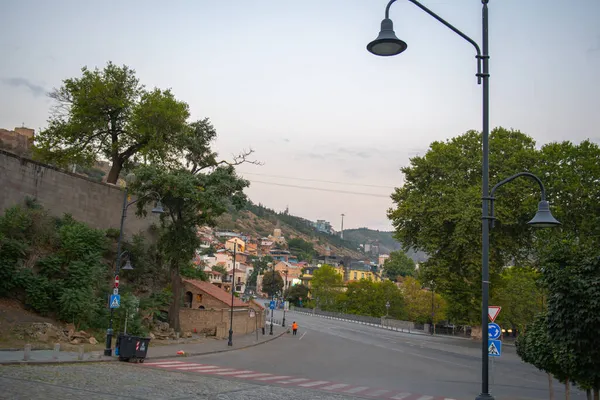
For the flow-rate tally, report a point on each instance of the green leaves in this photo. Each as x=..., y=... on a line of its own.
x=398, y=264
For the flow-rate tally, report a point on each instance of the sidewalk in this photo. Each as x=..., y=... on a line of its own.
x=208, y=346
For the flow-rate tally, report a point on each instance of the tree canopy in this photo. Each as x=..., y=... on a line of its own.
x=398, y=264
x=272, y=283
x=326, y=284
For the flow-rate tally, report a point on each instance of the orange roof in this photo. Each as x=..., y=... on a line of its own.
x=216, y=292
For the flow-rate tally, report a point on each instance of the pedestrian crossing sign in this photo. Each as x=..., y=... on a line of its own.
x=494, y=348
x=115, y=301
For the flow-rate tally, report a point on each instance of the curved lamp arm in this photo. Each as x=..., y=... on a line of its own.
x=155, y=194
x=449, y=26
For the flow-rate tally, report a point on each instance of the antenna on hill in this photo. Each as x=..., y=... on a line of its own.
x=342, y=230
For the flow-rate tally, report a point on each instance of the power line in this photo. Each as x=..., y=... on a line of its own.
x=317, y=180
x=322, y=190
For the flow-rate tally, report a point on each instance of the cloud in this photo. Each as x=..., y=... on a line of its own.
x=36, y=90
x=362, y=153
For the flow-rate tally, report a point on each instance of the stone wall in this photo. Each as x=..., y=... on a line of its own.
x=97, y=204
x=207, y=321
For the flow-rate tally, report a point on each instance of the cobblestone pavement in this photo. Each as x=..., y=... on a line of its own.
x=109, y=381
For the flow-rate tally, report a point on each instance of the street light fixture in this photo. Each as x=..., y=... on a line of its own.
x=158, y=209
x=230, y=341
x=387, y=44
x=272, y=298
x=284, y=291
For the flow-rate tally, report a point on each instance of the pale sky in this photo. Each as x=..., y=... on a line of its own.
x=293, y=80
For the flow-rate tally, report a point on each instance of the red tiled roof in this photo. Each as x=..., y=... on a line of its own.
x=215, y=272
x=216, y=292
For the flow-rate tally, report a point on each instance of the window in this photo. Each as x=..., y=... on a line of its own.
x=188, y=300
x=199, y=298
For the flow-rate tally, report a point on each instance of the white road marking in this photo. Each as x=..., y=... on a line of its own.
x=336, y=386
x=302, y=336
x=314, y=383
x=401, y=396
x=210, y=371
x=272, y=378
x=295, y=380
x=164, y=362
x=250, y=375
x=197, y=366
x=356, y=389
x=234, y=372
x=179, y=365
x=425, y=398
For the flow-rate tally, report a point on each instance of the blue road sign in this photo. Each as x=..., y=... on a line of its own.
x=115, y=301
x=272, y=305
x=494, y=331
x=494, y=348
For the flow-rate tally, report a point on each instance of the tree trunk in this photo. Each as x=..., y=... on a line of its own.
x=588, y=394
x=115, y=170
x=596, y=393
x=567, y=390
x=551, y=386
x=176, y=302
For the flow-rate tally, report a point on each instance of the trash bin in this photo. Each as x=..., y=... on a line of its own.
x=132, y=348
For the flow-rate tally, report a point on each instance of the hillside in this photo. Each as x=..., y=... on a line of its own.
x=259, y=221
x=384, y=239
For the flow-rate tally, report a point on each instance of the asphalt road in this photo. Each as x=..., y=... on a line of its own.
x=338, y=351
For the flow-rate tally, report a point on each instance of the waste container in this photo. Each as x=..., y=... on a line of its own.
x=132, y=348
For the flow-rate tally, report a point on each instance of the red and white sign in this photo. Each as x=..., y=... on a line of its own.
x=116, y=281
x=493, y=312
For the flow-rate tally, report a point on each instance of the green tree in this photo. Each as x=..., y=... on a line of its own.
x=420, y=304
x=260, y=264
x=369, y=298
x=272, y=283
x=326, y=285
x=519, y=294
x=297, y=294
x=190, y=200
x=438, y=211
x=219, y=268
x=108, y=113
x=398, y=264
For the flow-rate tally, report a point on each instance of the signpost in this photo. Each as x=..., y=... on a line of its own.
x=494, y=348
x=117, y=281
x=493, y=312
x=115, y=301
x=272, y=305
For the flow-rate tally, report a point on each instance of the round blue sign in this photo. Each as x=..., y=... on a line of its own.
x=494, y=331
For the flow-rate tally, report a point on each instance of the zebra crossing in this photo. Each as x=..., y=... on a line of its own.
x=286, y=380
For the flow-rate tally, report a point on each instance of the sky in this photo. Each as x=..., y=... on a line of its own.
x=331, y=124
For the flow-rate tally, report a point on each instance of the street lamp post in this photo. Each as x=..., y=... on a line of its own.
x=284, y=290
x=230, y=341
x=387, y=44
x=272, y=298
x=432, y=308
x=158, y=209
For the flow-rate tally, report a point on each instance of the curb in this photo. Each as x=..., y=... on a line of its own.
x=219, y=351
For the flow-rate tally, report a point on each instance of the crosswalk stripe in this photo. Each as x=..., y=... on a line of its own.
x=401, y=396
x=272, y=378
x=234, y=372
x=376, y=393
x=211, y=371
x=315, y=383
x=295, y=380
x=336, y=386
x=179, y=365
x=197, y=366
x=250, y=375
x=356, y=389
x=164, y=362
x=425, y=398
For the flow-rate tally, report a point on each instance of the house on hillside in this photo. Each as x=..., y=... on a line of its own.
x=236, y=244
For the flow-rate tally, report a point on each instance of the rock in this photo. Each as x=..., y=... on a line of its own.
x=81, y=335
x=152, y=336
x=187, y=334
x=75, y=341
x=93, y=340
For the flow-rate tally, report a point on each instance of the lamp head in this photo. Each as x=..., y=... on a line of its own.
x=543, y=217
x=158, y=209
x=127, y=266
x=387, y=44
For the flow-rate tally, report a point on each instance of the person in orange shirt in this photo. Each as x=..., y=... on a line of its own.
x=294, y=328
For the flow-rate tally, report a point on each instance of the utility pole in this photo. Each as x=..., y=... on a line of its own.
x=342, y=231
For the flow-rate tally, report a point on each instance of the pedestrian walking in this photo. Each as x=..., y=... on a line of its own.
x=294, y=328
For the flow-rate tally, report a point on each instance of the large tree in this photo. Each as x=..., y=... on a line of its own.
x=398, y=265
x=272, y=283
x=326, y=285
x=438, y=211
x=107, y=114
x=369, y=298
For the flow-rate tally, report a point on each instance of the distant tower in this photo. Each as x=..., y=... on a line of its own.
x=342, y=230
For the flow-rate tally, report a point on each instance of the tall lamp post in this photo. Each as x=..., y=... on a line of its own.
x=158, y=209
x=272, y=298
x=230, y=341
x=387, y=44
x=284, y=290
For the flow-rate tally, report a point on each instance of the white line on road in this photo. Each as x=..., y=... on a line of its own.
x=302, y=336
x=250, y=375
x=356, y=389
x=336, y=386
x=425, y=398
x=163, y=363
x=234, y=372
x=197, y=366
x=295, y=380
x=315, y=383
x=180, y=365
x=210, y=371
x=401, y=396
x=272, y=378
